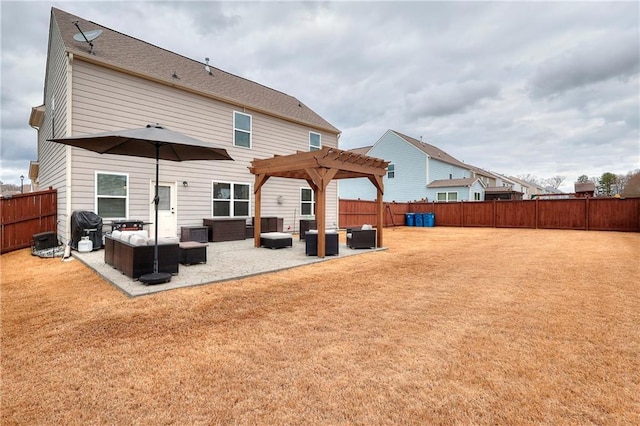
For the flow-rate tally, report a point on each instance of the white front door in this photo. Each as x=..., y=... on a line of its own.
x=167, y=210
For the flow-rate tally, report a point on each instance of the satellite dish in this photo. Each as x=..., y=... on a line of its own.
x=88, y=36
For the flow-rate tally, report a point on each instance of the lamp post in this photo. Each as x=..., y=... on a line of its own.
x=21, y=184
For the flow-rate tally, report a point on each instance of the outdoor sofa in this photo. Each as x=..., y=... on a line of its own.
x=131, y=253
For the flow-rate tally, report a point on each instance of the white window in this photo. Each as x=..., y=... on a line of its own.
x=307, y=202
x=112, y=195
x=315, y=141
x=231, y=199
x=476, y=196
x=447, y=196
x=241, y=129
x=391, y=171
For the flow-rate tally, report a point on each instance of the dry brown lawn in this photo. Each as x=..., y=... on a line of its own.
x=449, y=326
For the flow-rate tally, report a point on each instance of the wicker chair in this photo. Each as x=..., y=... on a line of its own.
x=358, y=238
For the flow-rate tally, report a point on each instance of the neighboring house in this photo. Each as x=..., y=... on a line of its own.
x=584, y=189
x=488, y=178
x=504, y=189
x=121, y=82
x=417, y=171
x=530, y=190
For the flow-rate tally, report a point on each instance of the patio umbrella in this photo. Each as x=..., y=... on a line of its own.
x=152, y=141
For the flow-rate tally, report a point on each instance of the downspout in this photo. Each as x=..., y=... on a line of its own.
x=68, y=152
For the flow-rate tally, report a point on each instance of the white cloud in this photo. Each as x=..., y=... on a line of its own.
x=518, y=88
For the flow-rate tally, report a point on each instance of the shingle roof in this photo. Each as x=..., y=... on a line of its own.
x=444, y=183
x=432, y=151
x=362, y=150
x=138, y=57
x=585, y=187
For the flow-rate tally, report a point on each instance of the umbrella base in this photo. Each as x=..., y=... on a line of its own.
x=155, y=278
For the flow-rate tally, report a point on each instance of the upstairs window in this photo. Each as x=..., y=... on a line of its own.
x=315, y=141
x=241, y=130
x=391, y=171
x=112, y=195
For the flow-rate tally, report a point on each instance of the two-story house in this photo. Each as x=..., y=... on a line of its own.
x=417, y=171
x=115, y=81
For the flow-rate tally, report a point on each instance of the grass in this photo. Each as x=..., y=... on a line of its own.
x=448, y=326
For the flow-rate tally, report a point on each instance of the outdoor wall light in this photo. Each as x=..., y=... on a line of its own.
x=185, y=183
x=280, y=199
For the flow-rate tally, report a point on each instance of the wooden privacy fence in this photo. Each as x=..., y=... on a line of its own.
x=23, y=215
x=595, y=214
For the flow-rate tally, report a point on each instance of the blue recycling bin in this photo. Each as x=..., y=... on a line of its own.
x=409, y=218
x=418, y=219
x=429, y=219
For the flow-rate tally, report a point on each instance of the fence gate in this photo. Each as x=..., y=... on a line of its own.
x=23, y=215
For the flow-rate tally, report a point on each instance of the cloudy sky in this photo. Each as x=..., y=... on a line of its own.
x=545, y=88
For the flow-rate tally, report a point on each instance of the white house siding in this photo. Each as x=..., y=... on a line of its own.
x=105, y=99
x=52, y=156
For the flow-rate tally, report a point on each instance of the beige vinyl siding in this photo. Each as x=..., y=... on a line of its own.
x=52, y=156
x=104, y=99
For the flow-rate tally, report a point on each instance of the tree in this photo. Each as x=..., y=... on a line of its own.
x=632, y=184
x=529, y=178
x=583, y=179
x=555, y=181
x=607, y=184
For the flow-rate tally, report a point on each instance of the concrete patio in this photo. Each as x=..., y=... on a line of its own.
x=225, y=261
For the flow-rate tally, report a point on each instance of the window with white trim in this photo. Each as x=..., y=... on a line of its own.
x=231, y=199
x=476, y=196
x=112, y=195
x=307, y=202
x=315, y=141
x=447, y=196
x=391, y=171
x=241, y=129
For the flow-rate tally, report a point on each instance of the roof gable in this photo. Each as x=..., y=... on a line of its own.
x=128, y=54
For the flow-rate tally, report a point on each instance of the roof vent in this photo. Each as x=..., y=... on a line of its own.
x=207, y=68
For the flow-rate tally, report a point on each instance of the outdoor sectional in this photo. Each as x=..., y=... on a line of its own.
x=135, y=260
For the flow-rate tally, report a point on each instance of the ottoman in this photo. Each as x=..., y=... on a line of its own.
x=275, y=240
x=192, y=252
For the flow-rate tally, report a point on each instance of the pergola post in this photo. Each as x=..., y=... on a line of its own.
x=380, y=210
x=257, y=222
x=377, y=182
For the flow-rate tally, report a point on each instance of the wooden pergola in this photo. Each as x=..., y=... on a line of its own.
x=319, y=168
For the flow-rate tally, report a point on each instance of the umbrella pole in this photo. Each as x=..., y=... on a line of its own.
x=156, y=200
x=156, y=277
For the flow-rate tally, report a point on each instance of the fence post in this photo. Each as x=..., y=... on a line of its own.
x=586, y=213
x=494, y=213
x=536, y=212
